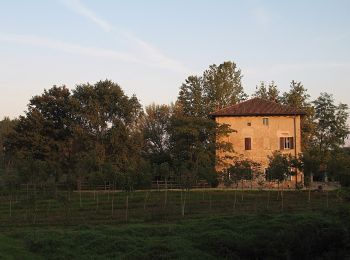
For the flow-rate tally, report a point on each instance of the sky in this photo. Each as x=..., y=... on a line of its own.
x=150, y=47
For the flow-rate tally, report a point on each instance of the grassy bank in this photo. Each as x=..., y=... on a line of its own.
x=149, y=225
x=280, y=236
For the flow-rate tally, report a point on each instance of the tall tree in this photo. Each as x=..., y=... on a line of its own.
x=270, y=92
x=191, y=97
x=6, y=127
x=298, y=97
x=222, y=86
x=44, y=134
x=194, y=149
x=331, y=125
x=156, y=146
x=110, y=120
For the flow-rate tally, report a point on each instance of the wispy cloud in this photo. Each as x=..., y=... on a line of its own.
x=149, y=52
x=79, y=8
x=68, y=47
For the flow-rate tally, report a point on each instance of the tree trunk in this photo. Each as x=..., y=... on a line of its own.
x=210, y=202
x=183, y=203
x=10, y=205
x=242, y=189
x=282, y=199
x=268, y=199
x=97, y=202
x=145, y=201
x=80, y=202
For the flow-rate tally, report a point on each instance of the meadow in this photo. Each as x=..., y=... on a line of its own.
x=216, y=223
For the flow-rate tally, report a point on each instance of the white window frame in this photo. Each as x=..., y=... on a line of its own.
x=266, y=121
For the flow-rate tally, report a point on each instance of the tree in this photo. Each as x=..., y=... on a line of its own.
x=297, y=97
x=240, y=170
x=110, y=121
x=155, y=129
x=279, y=169
x=194, y=148
x=243, y=169
x=44, y=134
x=222, y=86
x=6, y=128
x=270, y=93
x=338, y=167
x=98, y=124
x=331, y=127
x=191, y=98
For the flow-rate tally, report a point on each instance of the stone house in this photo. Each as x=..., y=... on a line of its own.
x=262, y=127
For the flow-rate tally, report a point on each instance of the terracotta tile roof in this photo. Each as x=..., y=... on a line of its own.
x=257, y=107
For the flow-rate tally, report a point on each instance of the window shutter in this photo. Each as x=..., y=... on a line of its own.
x=281, y=143
x=248, y=143
x=291, y=142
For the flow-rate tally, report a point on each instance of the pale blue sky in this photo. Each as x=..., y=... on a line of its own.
x=150, y=47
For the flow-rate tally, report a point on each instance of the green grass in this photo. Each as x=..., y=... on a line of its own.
x=280, y=236
x=11, y=248
x=214, y=226
x=46, y=209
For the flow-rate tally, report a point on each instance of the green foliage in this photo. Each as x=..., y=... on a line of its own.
x=194, y=149
x=73, y=136
x=242, y=169
x=297, y=97
x=338, y=167
x=219, y=86
x=222, y=86
x=191, y=97
x=270, y=92
x=280, y=167
x=331, y=128
x=156, y=137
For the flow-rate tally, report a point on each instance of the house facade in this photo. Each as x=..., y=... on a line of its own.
x=260, y=128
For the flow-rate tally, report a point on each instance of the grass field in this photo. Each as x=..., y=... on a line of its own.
x=150, y=225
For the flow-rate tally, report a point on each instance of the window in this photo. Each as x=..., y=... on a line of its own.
x=249, y=124
x=286, y=143
x=248, y=143
x=266, y=121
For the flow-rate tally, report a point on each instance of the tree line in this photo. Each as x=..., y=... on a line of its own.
x=95, y=133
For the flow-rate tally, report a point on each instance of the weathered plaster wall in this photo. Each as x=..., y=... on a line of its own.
x=265, y=139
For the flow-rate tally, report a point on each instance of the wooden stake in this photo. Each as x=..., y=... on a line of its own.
x=234, y=203
x=126, y=208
